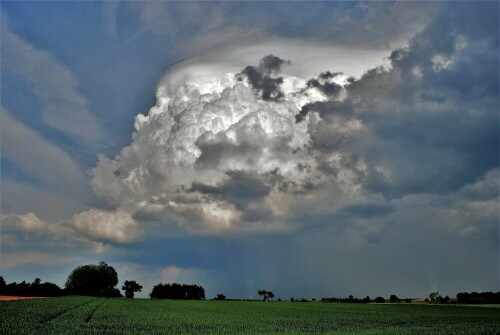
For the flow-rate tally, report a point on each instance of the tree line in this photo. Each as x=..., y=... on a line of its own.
x=98, y=280
x=101, y=280
x=177, y=291
x=34, y=289
x=479, y=298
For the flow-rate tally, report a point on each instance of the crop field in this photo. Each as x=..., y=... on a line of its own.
x=90, y=315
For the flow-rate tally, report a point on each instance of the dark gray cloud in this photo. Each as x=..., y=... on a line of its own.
x=325, y=85
x=240, y=188
x=328, y=74
x=330, y=89
x=260, y=77
x=431, y=119
x=326, y=109
x=272, y=64
x=220, y=149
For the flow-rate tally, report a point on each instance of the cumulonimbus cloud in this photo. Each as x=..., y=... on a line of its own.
x=217, y=150
x=259, y=149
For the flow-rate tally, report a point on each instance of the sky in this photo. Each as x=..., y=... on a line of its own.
x=314, y=149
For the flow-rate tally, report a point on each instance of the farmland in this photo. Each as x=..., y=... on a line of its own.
x=90, y=315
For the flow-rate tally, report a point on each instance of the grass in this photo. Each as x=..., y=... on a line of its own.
x=89, y=315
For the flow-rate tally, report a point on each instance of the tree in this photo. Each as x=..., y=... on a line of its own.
x=266, y=295
x=434, y=296
x=220, y=296
x=394, y=298
x=92, y=279
x=35, y=289
x=2, y=285
x=479, y=298
x=379, y=300
x=130, y=287
x=177, y=291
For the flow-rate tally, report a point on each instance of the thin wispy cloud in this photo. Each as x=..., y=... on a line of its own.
x=64, y=108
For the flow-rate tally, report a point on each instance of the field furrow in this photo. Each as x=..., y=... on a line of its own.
x=23, y=316
x=61, y=314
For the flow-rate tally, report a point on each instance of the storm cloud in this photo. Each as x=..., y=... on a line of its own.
x=331, y=142
x=288, y=149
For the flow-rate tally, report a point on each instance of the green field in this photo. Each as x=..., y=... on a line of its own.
x=89, y=315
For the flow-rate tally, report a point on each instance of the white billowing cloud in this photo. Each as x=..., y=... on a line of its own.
x=28, y=223
x=64, y=108
x=212, y=154
x=271, y=146
x=92, y=229
x=40, y=159
x=114, y=226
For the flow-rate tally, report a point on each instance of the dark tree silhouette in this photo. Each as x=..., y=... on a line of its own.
x=479, y=298
x=35, y=289
x=394, y=298
x=266, y=295
x=177, y=291
x=220, y=296
x=130, y=287
x=379, y=300
x=94, y=280
x=21, y=289
x=2, y=285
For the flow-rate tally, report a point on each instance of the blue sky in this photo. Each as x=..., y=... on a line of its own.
x=139, y=133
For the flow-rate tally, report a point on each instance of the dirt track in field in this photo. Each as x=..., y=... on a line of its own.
x=11, y=297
